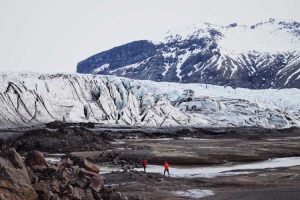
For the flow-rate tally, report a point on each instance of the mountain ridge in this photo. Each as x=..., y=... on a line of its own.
x=231, y=55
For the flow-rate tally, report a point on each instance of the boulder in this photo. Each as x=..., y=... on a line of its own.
x=89, y=194
x=64, y=174
x=33, y=177
x=84, y=163
x=65, y=162
x=97, y=183
x=117, y=196
x=82, y=182
x=55, y=186
x=42, y=187
x=36, y=160
x=90, y=166
x=86, y=173
x=44, y=192
x=77, y=193
x=14, y=179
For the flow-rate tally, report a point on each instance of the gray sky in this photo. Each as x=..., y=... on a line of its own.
x=53, y=35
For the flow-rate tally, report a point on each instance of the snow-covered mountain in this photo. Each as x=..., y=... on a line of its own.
x=264, y=55
x=27, y=99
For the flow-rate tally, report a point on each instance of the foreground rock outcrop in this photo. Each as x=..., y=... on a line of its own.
x=15, y=182
x=70, y=178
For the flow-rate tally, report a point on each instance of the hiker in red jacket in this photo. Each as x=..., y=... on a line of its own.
x=144, y=164
x=166, y=167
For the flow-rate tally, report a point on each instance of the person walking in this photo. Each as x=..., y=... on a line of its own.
x=144, y=164
x=166, y=167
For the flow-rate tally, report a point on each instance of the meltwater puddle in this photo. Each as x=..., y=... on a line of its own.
x=200, y=171
x=53, y=157
x=194, y=193
x=223, y=170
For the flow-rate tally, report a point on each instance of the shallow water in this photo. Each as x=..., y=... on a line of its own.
x=201, y=171
x=165, y=139
x=224, y=170
x=194, y=193
x=117, y=142
x=147, y=139
x=108, y=168
x=285, y=138
x=53, y=157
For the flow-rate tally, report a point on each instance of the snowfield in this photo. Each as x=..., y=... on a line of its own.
x=270, y=36
x=29, y=98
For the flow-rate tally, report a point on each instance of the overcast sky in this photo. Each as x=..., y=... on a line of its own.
x=53, y=35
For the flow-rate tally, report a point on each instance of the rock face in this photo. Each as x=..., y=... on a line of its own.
x=14, y=178
x=27, y=99
x=265, y=55
x=36, y=160
x=62, y=180
x=118, y=57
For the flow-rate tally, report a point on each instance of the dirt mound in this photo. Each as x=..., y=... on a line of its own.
x=62, y=140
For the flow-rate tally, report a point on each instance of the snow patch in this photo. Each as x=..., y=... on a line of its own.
x=101, y=68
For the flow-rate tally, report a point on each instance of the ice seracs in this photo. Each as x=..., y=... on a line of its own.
x=27, y=99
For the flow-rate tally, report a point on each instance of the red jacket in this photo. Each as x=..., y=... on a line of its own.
x=166, y=166
x=144, y=163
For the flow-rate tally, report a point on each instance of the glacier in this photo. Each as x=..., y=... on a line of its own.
x=30, y=98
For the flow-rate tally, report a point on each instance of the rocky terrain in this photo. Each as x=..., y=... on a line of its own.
x=269, y=184
x=118, y=152
x=29, y=99
x=264, y=55
x=34, y=178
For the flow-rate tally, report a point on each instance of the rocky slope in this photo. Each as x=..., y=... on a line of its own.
x=265, y=55
x=70, y=178
x=27, y=99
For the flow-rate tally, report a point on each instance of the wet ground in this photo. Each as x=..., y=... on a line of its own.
x=213, y=163
x=214, y=168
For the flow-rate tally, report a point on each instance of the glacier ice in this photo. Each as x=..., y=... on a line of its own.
x=30, y=98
